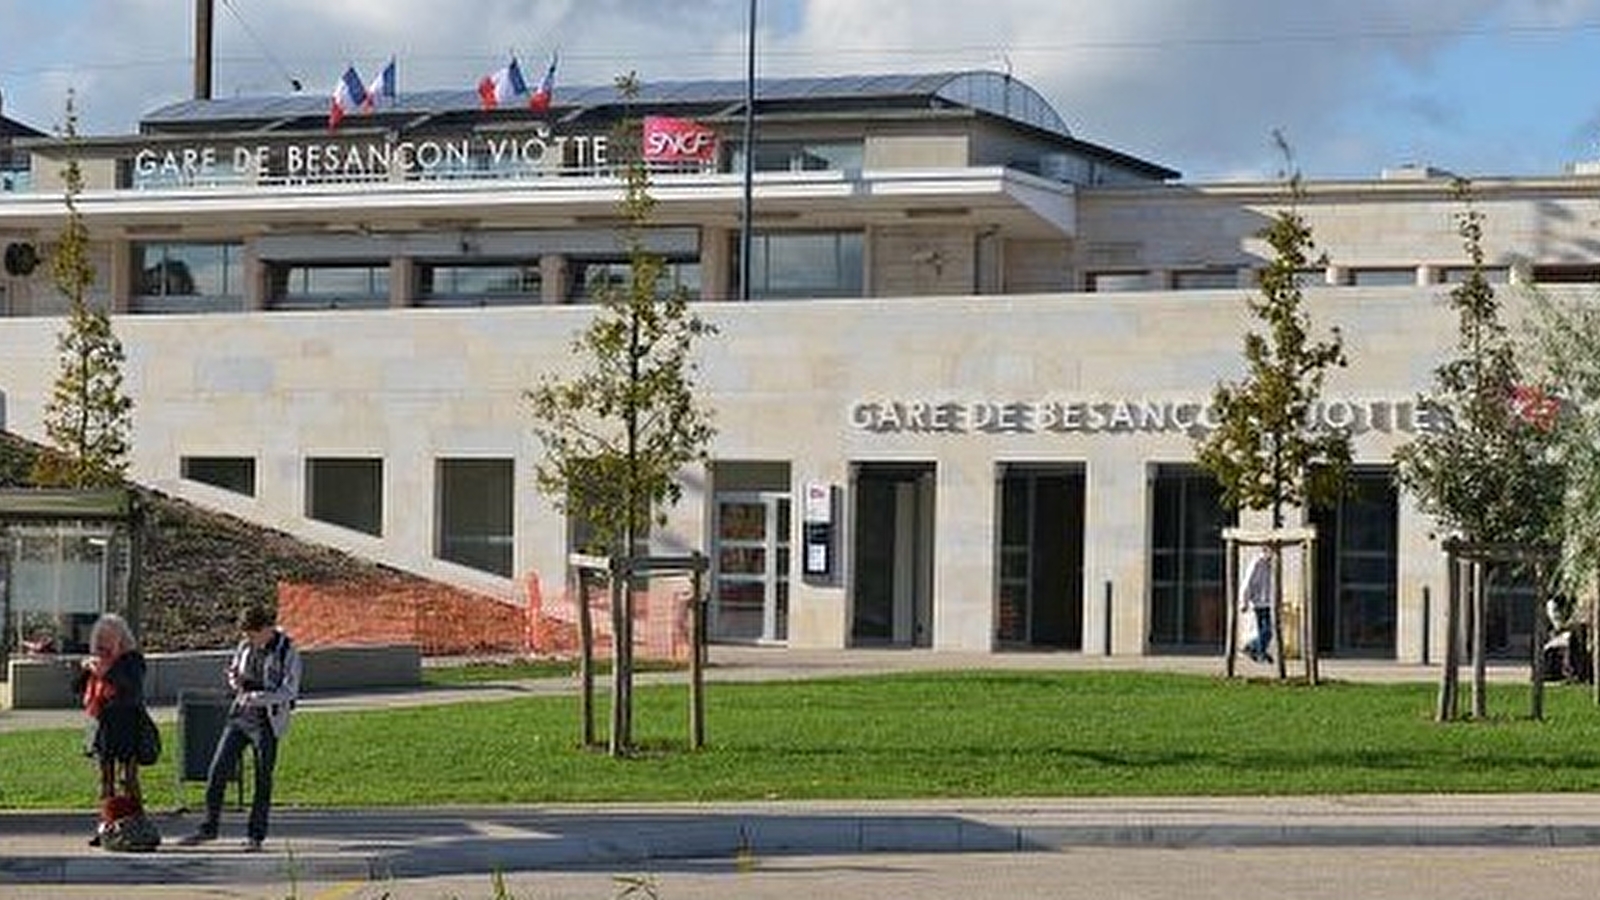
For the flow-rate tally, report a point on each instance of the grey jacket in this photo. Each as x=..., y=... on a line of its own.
x=281, y=676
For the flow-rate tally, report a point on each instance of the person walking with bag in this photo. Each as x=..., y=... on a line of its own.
x=122, y=737
x=1255, y=595
x=264, y=675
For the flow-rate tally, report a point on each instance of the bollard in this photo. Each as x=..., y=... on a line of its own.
x=1108, y=618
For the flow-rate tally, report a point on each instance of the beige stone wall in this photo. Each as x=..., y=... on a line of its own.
x=413, y=385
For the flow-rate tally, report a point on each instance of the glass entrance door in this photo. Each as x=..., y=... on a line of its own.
x=750, y=588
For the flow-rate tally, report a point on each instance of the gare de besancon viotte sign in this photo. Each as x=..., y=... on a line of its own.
x=666, y=139
x=542, y=149
x=1118, y=416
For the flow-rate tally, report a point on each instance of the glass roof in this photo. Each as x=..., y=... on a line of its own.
x=989, y=92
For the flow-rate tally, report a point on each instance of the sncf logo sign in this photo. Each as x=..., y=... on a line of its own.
x=678, y=140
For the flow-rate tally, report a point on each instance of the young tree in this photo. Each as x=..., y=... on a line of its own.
x=1564, y=337
x=1485, y=471
x=88, y=417
x=617, y=435
x=1265, y=452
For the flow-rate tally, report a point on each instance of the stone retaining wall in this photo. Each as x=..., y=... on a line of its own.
x=45, y=681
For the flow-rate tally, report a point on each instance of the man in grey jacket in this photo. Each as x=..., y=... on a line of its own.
x=264, y=675
x=1255, y=595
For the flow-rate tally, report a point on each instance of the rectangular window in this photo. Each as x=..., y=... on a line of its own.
x=485, y=284
x=1205, y=279
x=335, y=286
x=1566, y=274
x=1188, y=597
x=347, y=492
x=182, y=278
x=475, y=514
x=231, y=473
x=1383, y=277
x=797, y=156
x=1491, y=274
x=592, y=277
x=1113, y=282
x=807, y=264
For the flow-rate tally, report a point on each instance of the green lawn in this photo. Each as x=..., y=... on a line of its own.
x=968, y=734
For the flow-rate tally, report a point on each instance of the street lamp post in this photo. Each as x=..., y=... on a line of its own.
x=746, y=234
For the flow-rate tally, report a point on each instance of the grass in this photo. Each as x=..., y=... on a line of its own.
x=965, y=734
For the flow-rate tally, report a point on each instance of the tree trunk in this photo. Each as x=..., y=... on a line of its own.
x=1449, y=680
x=1230, y=602
x=619, y=589
x=585, y=661
x=1540, y=630
x=1477, y=587
x=697, y=662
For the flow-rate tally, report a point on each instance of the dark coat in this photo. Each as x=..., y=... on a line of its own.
x=116, y=732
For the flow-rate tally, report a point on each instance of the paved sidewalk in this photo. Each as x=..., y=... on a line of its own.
x=366, y=845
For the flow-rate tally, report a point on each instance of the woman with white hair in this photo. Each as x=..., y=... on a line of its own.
x=111, y=681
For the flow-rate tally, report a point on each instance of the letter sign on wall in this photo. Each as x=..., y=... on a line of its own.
x=667, y=139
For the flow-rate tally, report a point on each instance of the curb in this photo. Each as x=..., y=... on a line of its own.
x=355, y=847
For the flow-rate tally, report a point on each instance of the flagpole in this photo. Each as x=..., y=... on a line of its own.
x=746, y=234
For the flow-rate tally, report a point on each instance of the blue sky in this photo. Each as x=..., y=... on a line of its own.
x=1478, y=87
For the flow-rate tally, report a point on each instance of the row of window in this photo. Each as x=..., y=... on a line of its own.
x=1224, y=278
x=209, y=277
x=473, y=505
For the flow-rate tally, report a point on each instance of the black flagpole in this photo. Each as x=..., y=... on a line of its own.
x=746, y=234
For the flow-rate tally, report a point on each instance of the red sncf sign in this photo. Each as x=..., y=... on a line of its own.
x=667, y=139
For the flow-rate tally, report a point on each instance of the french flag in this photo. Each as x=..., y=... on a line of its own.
x=504, y=85
x=539, y=100
x=382, y=87
x=348, y=95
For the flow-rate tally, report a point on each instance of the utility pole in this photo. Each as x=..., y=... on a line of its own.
x=746, y=227
x=204, y=18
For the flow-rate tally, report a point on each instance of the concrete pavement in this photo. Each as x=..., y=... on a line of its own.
x=361, y=845
x=399, y=844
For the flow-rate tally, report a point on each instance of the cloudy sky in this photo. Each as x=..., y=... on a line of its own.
x=1479, y=87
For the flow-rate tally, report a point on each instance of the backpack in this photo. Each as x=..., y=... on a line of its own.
x=281, y=651
x=131, y=834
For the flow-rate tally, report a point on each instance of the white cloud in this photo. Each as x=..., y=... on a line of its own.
x=1195, y=84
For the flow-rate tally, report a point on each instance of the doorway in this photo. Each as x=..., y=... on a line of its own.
x=1040, y=564
x=892, y=559
x=1357, y=563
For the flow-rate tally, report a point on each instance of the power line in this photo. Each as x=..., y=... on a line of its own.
x=262, y=46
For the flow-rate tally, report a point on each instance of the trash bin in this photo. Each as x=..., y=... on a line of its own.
x=201, y=718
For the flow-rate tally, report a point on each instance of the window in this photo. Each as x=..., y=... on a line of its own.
x=176, y=278
x=61, y=577
x=1383, y=277
x=1188, y=599
x=797, y=156
x=484, y=284
x=1112, y=282
x=1357, y=565
x=347, y=492
x=335, y=286
x=475, y=514
x=1573, y=274
x=231, y=473
x=806, y=264
x=1204, y=279
x=591, y=277
x=1492, y=274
